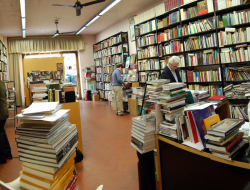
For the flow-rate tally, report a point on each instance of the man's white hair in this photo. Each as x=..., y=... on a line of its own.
x=173, y=59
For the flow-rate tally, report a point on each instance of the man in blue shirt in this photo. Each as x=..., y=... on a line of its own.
x=117, y=88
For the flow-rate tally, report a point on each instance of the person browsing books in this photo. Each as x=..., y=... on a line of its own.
x=170, y=71
x=117, y=88
x=5, y=151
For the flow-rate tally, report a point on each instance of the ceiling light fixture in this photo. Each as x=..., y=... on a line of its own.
x=93, y=20
x=23, y=20
x=83, y=28
x=97, y=16
x=23, y=23
x=109, y=7
x=22, y=7
x=24, y=34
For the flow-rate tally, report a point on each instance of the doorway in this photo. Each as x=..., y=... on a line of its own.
x=70, y=68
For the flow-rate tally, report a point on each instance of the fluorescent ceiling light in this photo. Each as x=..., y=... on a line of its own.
x=23, y=23
x=93, y=20
x=22, y=7
x=41, y=56
x=109, y=7
x=24, y=34
x=83, y=28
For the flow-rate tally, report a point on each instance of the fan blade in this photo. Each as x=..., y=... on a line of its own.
x=63, y=5
x=56, y=34
x=92, y=2
x=68, y=32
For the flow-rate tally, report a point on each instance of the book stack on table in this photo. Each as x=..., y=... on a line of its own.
x=224, y=139
x=154, y=89
x=143, y=133
x=172, y=98
x=46, y=145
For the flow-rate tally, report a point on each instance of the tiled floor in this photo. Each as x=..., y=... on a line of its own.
x=109, y=158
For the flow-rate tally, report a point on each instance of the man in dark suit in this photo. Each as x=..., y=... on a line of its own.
x=170, y=71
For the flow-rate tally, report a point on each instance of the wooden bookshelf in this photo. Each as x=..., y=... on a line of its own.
x=212, y=16
x=103, y=47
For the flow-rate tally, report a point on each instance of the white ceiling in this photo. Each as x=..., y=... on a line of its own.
x=40, y=16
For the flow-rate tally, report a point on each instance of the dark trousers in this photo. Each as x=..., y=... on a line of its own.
x=4, y=142
x=146, y=171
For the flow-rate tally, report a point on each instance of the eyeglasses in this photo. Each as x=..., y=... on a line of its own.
x=173, y=66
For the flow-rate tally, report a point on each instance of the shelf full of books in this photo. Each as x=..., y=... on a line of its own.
x=108, y=53
x=212, y=39
x=3, y=62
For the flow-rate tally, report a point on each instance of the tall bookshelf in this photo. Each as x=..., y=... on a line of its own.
x=108, y=53
x=212, y=50
x=3, y=62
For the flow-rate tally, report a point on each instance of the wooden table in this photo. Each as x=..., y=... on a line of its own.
x=182, y=167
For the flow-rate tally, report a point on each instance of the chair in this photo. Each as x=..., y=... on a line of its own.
x=14, y=185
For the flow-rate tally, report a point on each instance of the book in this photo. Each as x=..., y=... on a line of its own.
x=202, y=7
x=45, y=182
x=56, y=165
x=243, y=145
x=208, y=122
x=227, y=146
x=198, y=116
x=224, y=127
x=63, y=182
x=217, y=98
x=36, y=169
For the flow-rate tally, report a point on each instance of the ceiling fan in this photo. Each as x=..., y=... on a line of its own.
x=57, y=31
x=78, y=6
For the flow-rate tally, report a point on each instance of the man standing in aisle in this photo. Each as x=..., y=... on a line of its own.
x=117, y=88
x=5, y=151
x=170, y=71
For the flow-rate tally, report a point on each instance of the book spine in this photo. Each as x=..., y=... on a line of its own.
x=234, y=141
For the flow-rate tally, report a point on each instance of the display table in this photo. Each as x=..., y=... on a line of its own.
x=182, y=167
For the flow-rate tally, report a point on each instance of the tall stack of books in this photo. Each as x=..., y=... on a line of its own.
x=172, y=99
x=224, y=139
x=143, y=133
x=154, y=89
x=46, y=146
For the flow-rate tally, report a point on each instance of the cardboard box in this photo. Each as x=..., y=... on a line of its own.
x=95, y=98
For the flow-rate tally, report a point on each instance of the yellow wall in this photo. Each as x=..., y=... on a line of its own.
x=42, y=64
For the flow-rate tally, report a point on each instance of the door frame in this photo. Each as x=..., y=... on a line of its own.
x=60, y=52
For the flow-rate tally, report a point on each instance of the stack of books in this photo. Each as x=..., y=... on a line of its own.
x=154, y=89
x=224, y=139
x=39, y=94
x=172, y=99
x=143, y=133
x=46, y=146
x=240, y=91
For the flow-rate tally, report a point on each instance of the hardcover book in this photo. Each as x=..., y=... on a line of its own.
x=202, y=7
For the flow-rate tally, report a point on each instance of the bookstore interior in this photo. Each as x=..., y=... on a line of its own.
x=140, y=94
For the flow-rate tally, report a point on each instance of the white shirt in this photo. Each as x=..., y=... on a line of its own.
x=174, y=74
